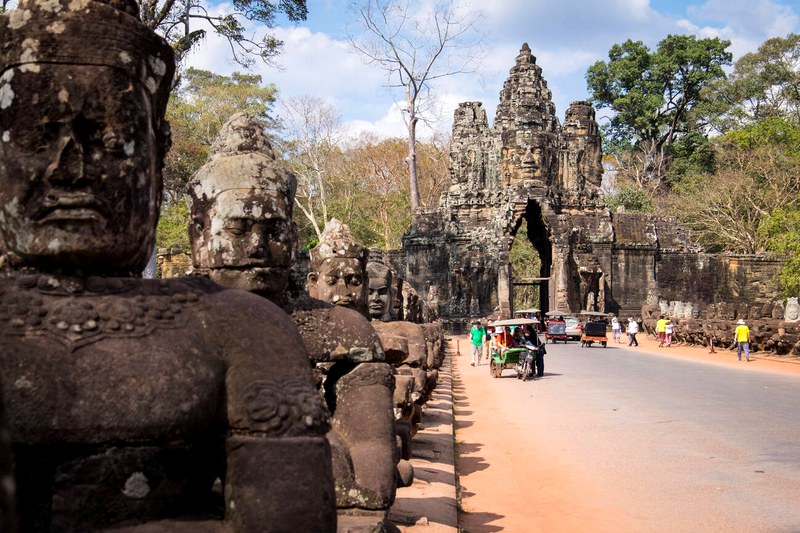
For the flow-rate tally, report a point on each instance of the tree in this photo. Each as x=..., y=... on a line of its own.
x=197, y=111
x=763, y=84
x=416, y=46
x=782, y=233
x=525, y=263
x=653, y=95
x=313, y=132
x=756, y=177
x=181, y=21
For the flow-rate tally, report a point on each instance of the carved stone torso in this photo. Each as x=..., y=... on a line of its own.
x=116, y=395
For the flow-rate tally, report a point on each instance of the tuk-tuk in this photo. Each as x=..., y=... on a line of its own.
x=519, y=358
x=556, y=327
x=594, y=329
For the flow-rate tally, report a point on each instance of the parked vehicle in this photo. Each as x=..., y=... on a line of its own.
x=574, y=328
x=519, y=358
x=556, y=327
x=594, y=330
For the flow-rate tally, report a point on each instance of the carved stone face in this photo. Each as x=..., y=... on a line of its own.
x=530, y=159
x=246, y=240
x=379, y=300
x=340, y=281
x=79, y=168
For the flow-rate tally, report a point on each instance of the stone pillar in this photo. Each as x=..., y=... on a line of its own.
x=504, y=284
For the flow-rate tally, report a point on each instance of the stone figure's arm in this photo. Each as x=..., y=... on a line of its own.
x=278, y=475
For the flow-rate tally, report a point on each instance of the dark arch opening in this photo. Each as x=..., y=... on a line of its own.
x=538, y=233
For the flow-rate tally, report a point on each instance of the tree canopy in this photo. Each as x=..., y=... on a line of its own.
x=654, y=98
x=183, y=22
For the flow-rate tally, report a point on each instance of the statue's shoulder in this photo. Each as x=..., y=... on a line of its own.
x=337, y=333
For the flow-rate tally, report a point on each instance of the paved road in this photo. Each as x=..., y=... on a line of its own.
x=662, y=444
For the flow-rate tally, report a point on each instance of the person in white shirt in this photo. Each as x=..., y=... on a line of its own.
x=633, y=329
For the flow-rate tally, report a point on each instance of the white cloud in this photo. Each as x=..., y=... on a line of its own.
x=566, y=37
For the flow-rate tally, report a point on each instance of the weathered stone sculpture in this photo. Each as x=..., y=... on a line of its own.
x=128, y=398
x=243, y=235
x=338, y=267
x=380, y=301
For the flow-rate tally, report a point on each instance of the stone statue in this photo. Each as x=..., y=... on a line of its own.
x=127, y=398
x=792, y=312
x=242, y=235
x=338, y=267
x=380, y=302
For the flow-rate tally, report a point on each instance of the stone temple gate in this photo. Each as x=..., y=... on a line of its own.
x=527, y=165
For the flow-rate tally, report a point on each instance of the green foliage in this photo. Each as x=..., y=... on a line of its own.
x=691, y=153
x=652, y=93
x=782, y=232
x=525, y=263
x=755, y=177
x=197, y=111
x=632, y=199
x=172, y=231
x=764, y=84
x=777, y=131
x=176, y=22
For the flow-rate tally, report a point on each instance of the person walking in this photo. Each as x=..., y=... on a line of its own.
x=476, y=335
x=669, y=329
x=742, y=337
x=616, y=329
x=633, y=329
x=661, y=326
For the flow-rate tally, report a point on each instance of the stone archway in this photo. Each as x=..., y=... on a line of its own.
x=539, y=236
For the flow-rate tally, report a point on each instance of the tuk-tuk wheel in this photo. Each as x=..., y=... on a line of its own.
x=604, y=344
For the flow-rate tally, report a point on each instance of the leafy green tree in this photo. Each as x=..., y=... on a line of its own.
x=764, y=84
x=653, y=96
x=525, y=263
x=781, y=229
x=756, y=176
x=631, y=198
x=172, y=231
x=183, y=23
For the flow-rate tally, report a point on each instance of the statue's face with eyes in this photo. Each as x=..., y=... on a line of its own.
x=245, y=239
x=340, y=281
x=79, y=168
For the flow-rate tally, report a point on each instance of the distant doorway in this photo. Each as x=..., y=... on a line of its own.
x=531, y=258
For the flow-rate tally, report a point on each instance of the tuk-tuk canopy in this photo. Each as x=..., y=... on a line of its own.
x=515, y=322
x=527, y=311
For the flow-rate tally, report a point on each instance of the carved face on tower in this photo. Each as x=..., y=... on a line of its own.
x=339, y=269
x=81, y=144
x=242, y=232
x=531, y=158
x=379, y=301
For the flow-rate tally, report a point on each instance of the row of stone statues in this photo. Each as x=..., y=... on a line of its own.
x=242, y=235
x=185, y=405
x=774, y=326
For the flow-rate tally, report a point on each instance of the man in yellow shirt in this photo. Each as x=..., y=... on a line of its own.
x=661, y=330
x=742, y=337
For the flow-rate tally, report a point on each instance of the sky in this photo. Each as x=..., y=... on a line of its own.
x=566, y=36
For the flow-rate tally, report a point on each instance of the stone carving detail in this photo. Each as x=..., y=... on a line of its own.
x=75, y=321
x=289, y=407
x=526, y=168
x=792, y=312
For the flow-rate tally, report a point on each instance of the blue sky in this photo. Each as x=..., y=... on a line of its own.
x=566, y=36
